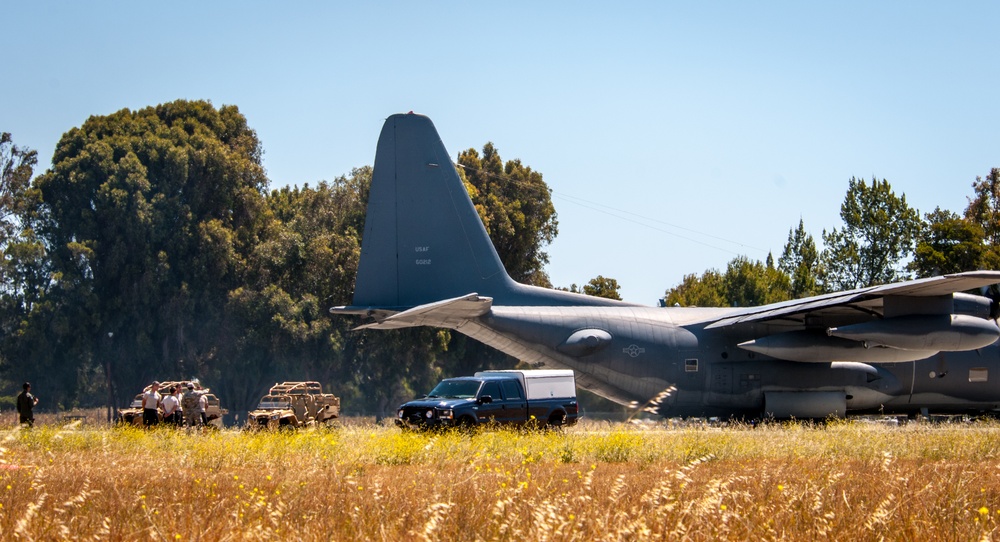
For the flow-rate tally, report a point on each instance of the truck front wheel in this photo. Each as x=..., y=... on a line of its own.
x=465, y=423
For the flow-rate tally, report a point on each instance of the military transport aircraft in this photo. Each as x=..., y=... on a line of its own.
x=910, y=347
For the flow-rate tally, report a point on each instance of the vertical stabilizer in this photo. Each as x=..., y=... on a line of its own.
x=423, y=239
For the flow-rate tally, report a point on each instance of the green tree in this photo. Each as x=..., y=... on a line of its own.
x=601, y=286
x=390, y=367
x=984, y=211
x=23, y=270
x=745, y=283
x=149, y=218
x=516, y=207
x=800, y=261
x=951, y=244
x=705, y=290
x=17, y=165
x=749, y=283
x=277, y=327
x=984, y=206
x=879, y=232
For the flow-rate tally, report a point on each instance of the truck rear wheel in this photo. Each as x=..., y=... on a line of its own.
x=556, y=419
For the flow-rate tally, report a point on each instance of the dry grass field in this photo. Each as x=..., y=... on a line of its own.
x=843, y=481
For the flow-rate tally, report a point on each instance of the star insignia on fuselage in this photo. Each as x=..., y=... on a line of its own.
x=633, y=350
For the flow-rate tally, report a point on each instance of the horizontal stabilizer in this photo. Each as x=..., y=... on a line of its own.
x=447, y=313
x=377, y=313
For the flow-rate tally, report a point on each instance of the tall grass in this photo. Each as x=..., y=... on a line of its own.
x=593, y=482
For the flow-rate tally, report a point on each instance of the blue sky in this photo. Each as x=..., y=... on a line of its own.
x=675, y=136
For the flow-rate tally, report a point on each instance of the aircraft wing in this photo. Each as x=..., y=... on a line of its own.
x=891, y=323
x=438, y=314
x=869, y=300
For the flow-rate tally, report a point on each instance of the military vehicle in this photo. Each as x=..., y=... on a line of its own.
x=213, y=412
x=294, y=404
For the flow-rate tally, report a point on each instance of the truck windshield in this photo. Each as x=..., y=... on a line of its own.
x=270, y=402
x=458, y=389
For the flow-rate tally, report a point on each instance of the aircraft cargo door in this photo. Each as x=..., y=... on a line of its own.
x=720, y=384
x=734, y=385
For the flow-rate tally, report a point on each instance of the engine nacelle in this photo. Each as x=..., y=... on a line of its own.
x=973, y=305
x=814, y=346
x=942, y=332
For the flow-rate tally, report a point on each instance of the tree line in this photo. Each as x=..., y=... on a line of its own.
x=153, y=248
x=882, y=240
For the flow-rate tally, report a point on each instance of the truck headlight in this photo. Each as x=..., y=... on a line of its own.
x=399, y=413
x=446, y=414
x=429, y=414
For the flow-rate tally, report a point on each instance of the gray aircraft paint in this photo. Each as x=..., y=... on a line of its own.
x=426, y=259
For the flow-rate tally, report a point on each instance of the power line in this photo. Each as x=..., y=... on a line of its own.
x=627, y=216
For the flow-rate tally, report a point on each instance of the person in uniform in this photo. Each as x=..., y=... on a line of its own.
x=25, y=403
x=190, y=406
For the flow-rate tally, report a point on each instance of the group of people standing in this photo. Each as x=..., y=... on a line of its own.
x=180, y=406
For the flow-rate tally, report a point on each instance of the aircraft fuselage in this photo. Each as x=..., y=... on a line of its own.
x=641, y=352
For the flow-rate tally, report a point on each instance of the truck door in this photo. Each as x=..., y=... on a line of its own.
x=514, y=400
x=496, y=409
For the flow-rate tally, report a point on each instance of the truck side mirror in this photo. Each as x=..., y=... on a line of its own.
x=485, y=399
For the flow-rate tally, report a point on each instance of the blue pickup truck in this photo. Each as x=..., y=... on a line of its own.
x=545, y=397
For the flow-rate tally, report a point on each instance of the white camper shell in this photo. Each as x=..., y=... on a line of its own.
x=543, y=383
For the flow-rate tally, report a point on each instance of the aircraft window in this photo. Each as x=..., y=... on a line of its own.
x=979, y=374
x=691, y=366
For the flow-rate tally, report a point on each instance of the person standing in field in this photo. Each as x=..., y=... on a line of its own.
x=151, y=405
x=25, y=403
x=179, y=414
x=171, y=407
x=203, y=408
x=190, y=406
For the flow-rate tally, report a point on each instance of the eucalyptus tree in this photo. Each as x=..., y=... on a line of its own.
x=800, y=261
x=879, y=233
x=601, y=286
x=951, y=244
x=745, y=283
x=22, y=265
x=516, y=207
x=149, y=217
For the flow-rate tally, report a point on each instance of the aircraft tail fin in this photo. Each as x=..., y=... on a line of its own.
x=423, y=240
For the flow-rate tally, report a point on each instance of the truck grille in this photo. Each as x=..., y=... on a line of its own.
x=418, y=415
